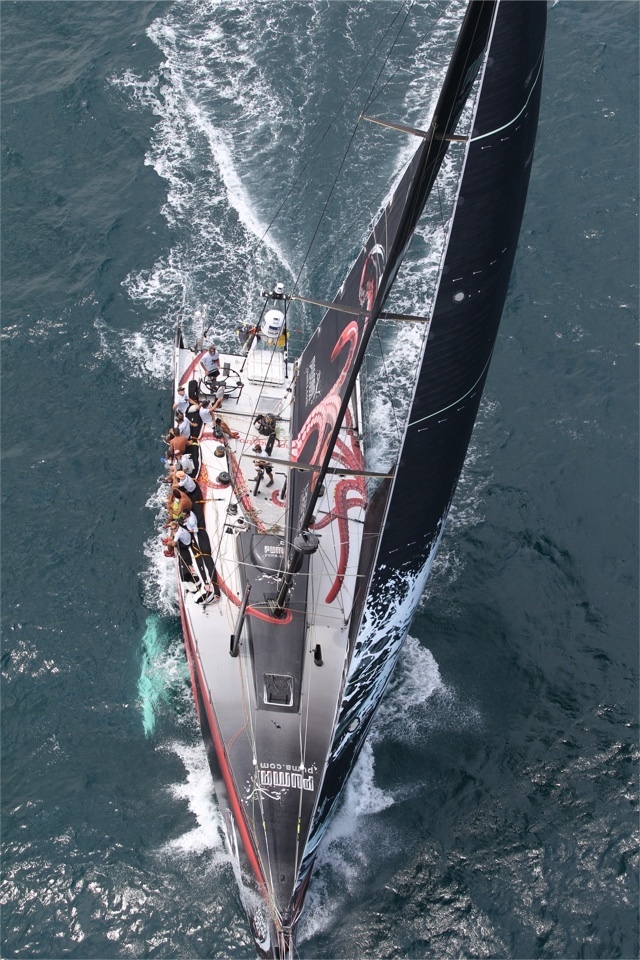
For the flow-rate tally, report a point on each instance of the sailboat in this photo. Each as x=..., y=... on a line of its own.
x=310, y=557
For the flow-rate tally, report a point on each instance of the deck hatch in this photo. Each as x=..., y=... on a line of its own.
x=278, y=689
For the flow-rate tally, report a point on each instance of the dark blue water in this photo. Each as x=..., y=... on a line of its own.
x=145, y=149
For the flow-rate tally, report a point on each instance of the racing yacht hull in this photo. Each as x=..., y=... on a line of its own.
x=319, y=560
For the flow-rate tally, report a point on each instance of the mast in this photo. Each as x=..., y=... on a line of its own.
x=416, y=186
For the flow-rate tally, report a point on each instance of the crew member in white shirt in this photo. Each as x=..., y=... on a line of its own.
x=207, y=409
x=183, y=426
x=190, y=521
x=219, y=397
x=181, y=538
x=210, y=362
x=185, y=462
x=182, y=402
x=186, y=483
x=205, y=414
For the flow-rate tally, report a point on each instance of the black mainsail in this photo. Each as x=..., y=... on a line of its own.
x=453, y=367
x=329, y=365
x=320, y=606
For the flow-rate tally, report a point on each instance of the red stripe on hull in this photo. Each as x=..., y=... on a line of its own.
x=187, y=647
x=220, y=752
x=191, y=369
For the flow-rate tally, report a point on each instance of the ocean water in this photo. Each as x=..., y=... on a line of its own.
x=161, y=158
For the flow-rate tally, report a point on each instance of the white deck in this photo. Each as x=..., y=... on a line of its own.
x=266, y=507
x=231, y=684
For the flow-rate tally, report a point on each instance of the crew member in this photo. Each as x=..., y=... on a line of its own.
x=181, y=538
x=266, y=424
x=177, y=503
x=210, y=362
x=221, y=429
x=219, y=397
x=186, y=483
x=177, y=446
x=204, y=409
x=263, y=466
x=182, y=402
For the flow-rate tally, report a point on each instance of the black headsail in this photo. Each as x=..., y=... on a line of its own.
x=329, y=366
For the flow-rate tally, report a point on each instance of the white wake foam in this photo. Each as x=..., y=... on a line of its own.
x=416, y=701
x=197, y=792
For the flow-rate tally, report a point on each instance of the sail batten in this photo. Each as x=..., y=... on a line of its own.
x=338, y=307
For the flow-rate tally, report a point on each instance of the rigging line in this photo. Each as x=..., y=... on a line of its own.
x=382, y=194
x=251, y=739
x=329, y=127
x=346, y=152
x=303, y=743
x=386, y=58
x=263, y=387
x=246, y=709
x=490, y=133
x=303, y=751
x=429, y=30
x=247, y=713
x=371, y=99
x=331, y=570
x=248, y=728
x=270, y=886
x=379, y=199
x=442, y=220
x=336, y=544
x=459, y=399
x=324, y=209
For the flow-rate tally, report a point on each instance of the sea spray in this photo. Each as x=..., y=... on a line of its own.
x=161, y=669
x=196, y=790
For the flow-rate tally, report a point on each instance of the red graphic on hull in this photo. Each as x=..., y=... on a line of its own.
x=244, y=499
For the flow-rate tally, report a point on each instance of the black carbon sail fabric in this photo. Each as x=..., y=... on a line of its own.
x=458, y=348
x=329, y=365
x=473, y=286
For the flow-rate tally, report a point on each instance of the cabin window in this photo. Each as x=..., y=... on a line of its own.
x=278, y=689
